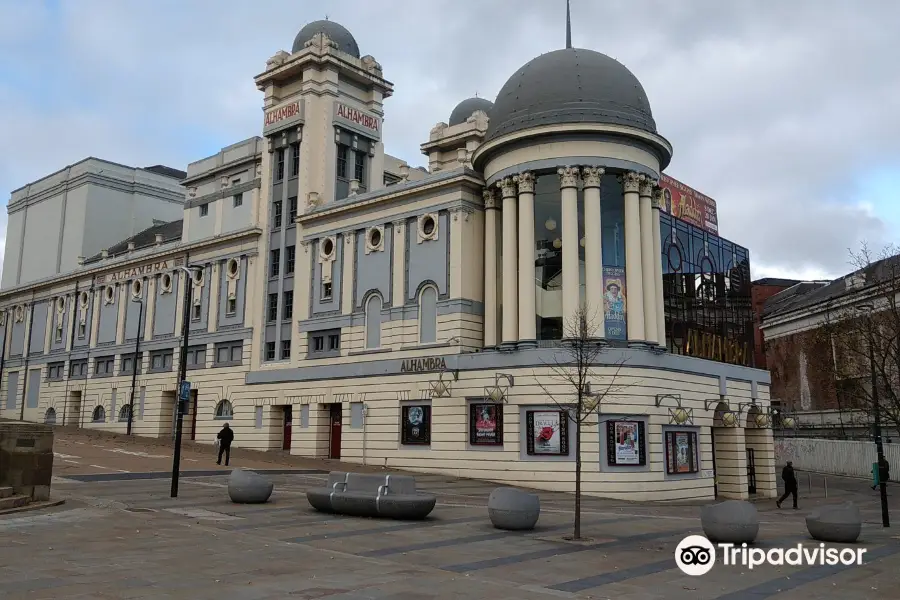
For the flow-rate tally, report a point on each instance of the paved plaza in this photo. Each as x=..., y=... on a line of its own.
x=120, y=535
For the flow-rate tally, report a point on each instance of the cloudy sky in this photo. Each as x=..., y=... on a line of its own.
x=785, y=112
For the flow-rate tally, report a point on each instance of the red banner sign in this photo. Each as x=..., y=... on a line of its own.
x=689, y=205
x=282, y=112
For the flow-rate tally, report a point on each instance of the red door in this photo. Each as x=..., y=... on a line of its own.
x=335, y=450
x=288, y=417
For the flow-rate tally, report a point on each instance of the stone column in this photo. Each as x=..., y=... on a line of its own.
x=510, y=262
x=490, y=268
x=649, y=261
x=568, y=184
x=527, y=310
x=593, y=252
x=657, y=252
x=634, y=288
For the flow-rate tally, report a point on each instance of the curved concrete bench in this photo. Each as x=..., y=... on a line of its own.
x=732, y=521
x=513, y=509
x=364, y=495
x=247, y=487
x=840, y=523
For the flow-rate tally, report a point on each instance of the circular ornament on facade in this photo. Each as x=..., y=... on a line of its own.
x=166, y=282
x=137, y=287
x=428, y=225
x=84, y=299
x=61, y=303
x=197, y=277
x=327, y=247
x=557, y=243
x=108, y=294
x=374, y=237
x=232, y=268
x=728, y=419
x=680, y=415
x=550, y=224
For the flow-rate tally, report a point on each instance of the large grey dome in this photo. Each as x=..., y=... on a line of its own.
x=570, y=86
x=468, y=106
x=337, y=32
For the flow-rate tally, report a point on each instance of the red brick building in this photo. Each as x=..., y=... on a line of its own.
x=760, y=291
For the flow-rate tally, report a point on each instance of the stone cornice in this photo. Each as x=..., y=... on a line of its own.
x=97, y=179
x=217, y=171
x=227, y=192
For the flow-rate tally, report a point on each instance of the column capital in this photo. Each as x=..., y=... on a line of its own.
x=568, y=177
x=507, y=187
x=592, y=176
x=656, y=198
x=399, y=226
x=632, y=181
x=525, y=182
x=490, y=200
x=647, y=185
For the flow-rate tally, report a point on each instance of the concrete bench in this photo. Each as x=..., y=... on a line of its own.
x=366, y=495
x=840, y=523
x=512, y=509
x=732, y=521
x=247, y=487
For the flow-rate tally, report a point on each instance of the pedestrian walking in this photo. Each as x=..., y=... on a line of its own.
x=884, y=472
x=225, y=437
x=790, y=484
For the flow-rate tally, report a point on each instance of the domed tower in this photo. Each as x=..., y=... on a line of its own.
x=322, y=121
x=450, y=145
x=572, y=157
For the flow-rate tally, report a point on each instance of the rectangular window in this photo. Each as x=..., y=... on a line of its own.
x=289, y=259
x=279, y=166
x=342, y=160
x=326, y=291
x=334, y=341
x=236, y=181
x=285, y=349
x=229, y=353
x=238, y=199
x=681, y=452
x=55, y=371
x=288, y=312
x=359, y=171
x=161, y=360
x=415, y=425
x=196, y=357
x=204, y=209
x=272, y=308
x=276, y=214
x=231, y=307
x=270, y=350
x=275, y=262
x=292, y=210
x=78, y=369
x=103, y=366
x=318, y=344
x=295, y=159
x=196, y=312
x=328, y=341
x=128, y=363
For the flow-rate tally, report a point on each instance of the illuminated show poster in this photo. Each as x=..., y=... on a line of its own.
x=614, y=309
x=548, y=432
x=681, y=452
x=625, y=444
x=415, y=428
x=486, y=424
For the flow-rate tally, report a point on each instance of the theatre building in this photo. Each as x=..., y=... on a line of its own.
x=345, y=305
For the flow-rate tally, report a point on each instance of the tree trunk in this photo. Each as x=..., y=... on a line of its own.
x=577, y=533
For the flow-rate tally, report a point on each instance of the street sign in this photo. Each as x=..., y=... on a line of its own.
x=184, y=391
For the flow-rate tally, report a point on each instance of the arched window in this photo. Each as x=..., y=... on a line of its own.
x=373, y=321
x=50, y=416
x=428, y=315
x=99, y=415
x=124, y=412
x=224, y=410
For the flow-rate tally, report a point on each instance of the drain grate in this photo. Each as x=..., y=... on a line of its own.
x=140, y=510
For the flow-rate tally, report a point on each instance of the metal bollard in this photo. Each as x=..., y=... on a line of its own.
x=809, y=483
x=826, y=487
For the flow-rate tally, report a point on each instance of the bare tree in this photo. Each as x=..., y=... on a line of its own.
x=575, y=367
x=863, y=328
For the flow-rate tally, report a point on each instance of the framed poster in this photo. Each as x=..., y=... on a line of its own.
x=625, y=445
x=415, y=425
x=614, y=311
x=548, y=432
x=681, y=452
x=486, y=424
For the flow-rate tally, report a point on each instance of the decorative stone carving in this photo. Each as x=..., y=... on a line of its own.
x=370, y=64
x=3, y=318
x=632, y=181
x=507, y=187
x=321, y=43
x=247, y=487
x=568, y=177
x=259, y=169
x=646, y=186
x=305, y=246
x=427, y=227
x=165, y=283
x=656, y=200
x=109, y=295
x=327, y=255
x=232, y=276
x=839, y=524
x=374, y=239
x=312, y=200
x=437, y=131
x=137, y=288
x=223, y=181
x=399, y=227
x=354, y=187
x=277, y=60
x=592, y=176
x=512, y=509
x=198, y=281
x=732, y=521
x=525, y=182
x=19, y=313
x=404, y=173
x=192, y=192
x=490, y=201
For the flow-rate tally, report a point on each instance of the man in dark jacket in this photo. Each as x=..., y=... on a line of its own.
x=225, y=437
x=884, y=472
x=790, y=484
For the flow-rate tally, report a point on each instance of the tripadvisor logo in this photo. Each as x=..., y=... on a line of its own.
x=696, y=555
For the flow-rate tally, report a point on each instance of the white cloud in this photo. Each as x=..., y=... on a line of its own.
x=778, y=110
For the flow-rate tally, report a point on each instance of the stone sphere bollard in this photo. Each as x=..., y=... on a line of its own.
x=513, y=509
x=840, y=524
x=247, y=487
x=732, y=521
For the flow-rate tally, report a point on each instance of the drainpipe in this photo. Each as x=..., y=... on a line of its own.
x=71, y=344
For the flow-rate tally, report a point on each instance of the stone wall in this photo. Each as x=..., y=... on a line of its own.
x=26, y=458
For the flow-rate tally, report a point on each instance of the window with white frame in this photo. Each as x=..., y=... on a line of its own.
x=373, y=321
x=428, y=315
x=224, y=410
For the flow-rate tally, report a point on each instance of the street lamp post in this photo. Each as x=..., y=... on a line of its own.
x=182, y=375
x=134, y=360
x=876, y=417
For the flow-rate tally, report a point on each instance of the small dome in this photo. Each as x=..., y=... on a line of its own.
x=337, y=32
x=468, y=106
x=570, y=86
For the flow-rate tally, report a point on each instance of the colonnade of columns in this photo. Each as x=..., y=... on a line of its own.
x=515, y=264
